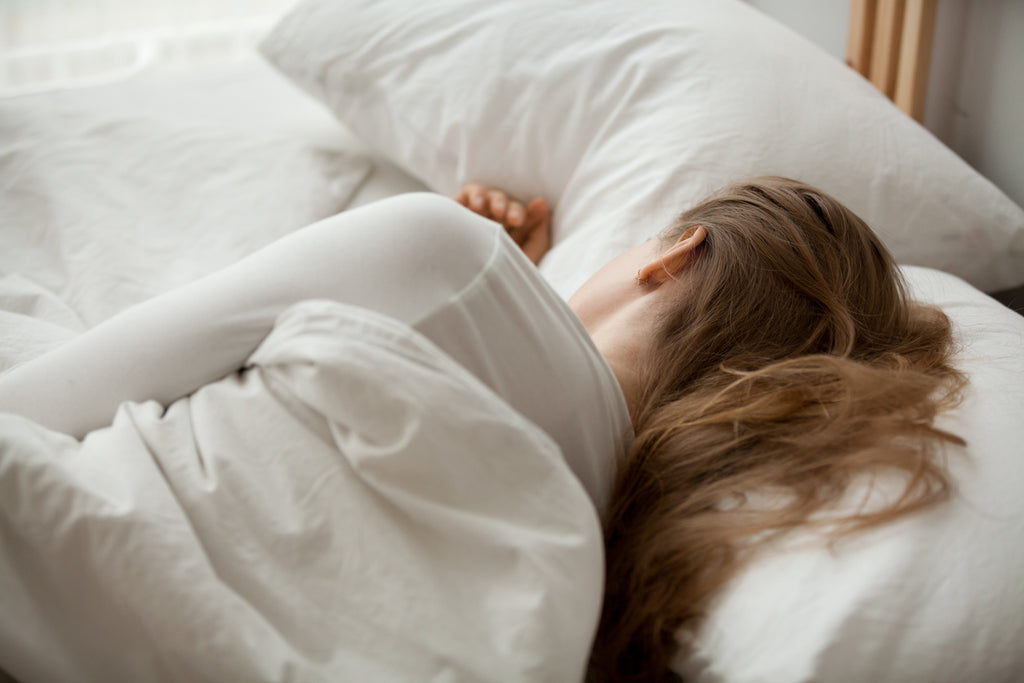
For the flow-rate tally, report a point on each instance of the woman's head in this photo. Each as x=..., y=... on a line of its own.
x=785, y=358
x=785, y=270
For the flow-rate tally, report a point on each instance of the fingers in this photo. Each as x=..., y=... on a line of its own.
x=529, y=226
x=473, y=197
x=497, y=205
x=491, y=203
x=515, y=222
x=538, y=230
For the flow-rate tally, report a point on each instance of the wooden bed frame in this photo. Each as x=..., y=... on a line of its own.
x=890, y=43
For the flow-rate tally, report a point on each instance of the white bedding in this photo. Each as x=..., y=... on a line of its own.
x=115, y=193
x=153, y=550
x=302, y=520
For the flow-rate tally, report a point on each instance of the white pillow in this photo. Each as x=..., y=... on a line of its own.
x=626, y=113
x=935, y=597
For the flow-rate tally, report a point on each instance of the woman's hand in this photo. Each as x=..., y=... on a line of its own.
x=529, y=226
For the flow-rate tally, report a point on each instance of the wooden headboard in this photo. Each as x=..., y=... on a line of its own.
x=890, y=43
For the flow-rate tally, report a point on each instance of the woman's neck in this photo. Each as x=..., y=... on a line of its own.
x=623, y=339
x=621, y=314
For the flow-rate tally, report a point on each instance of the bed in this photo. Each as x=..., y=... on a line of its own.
x=115, y=569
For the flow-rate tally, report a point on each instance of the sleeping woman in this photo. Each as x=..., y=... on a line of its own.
x=762, y=342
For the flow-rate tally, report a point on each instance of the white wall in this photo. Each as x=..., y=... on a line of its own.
x=976, y=86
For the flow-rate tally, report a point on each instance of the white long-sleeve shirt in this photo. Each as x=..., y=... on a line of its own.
x=419, y=258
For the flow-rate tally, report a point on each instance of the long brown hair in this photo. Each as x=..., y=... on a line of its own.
x=794, y=363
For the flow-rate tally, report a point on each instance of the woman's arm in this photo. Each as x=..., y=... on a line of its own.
x=399, y=256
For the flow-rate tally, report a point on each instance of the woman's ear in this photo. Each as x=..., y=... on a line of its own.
x=674, y=260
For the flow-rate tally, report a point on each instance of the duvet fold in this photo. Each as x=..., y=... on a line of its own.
x=352, y=505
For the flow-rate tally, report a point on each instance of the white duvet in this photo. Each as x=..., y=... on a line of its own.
x=351, y=506
x=111, y=195
x=354, y=506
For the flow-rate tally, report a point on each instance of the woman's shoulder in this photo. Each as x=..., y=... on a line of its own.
x=517, y=335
